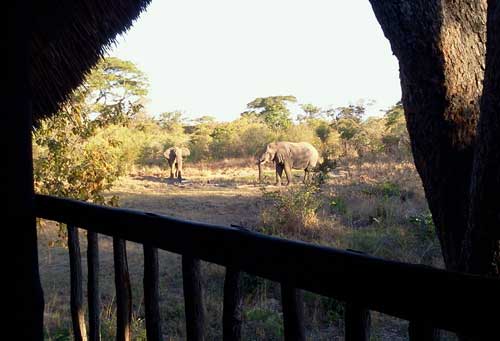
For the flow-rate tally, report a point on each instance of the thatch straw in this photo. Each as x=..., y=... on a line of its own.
x=69, y=39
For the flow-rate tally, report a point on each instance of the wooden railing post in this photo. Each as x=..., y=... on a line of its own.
x=123, y=291
x=25, y=304
x=231, y=321
x=152, y=293
x=421, y=331
x=76, y=301
x=293, y=312
x=357, y=322
x=93, y=291
x=193, y=299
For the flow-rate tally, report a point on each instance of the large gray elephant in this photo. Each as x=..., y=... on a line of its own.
x=174, y=157
x=288, y=156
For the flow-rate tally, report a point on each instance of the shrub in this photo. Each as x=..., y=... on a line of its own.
x=292, y=210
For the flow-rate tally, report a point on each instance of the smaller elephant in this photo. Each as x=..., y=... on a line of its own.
x=174, y=157
x=287, y=156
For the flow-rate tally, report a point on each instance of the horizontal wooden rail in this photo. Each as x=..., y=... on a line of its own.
x=448, y=300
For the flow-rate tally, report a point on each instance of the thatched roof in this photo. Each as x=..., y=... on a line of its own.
x=69, y=38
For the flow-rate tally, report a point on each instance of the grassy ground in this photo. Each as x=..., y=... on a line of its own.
x=375, y=206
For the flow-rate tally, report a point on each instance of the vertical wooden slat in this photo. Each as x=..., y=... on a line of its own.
x=233, y=302
x=193, y=299
x=151, y=293
x=76, y=301
x=357, y=323
x=421, y=331
x=293, y=312
x=123, y=291
x=93, y=291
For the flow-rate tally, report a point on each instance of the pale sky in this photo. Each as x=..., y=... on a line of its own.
x=213, y=57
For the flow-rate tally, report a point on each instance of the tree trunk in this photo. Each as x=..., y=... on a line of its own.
x=440, y=46
x=482, y=247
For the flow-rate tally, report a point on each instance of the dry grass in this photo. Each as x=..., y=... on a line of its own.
x=365, y=205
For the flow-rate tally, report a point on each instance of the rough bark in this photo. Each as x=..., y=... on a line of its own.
x=440, y=46
x=193, y=299
x=482, y=246
x=293, y=312
x=233, y=306
x=76, y=301
x=75, y=266
x=152, y=293
x=357, y=322
x=93, y=291
x=123, y=291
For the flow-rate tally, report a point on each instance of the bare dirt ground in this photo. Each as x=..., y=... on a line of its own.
x=215, y=203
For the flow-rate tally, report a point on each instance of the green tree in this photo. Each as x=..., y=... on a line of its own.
x=273, y=111
x=200, y=138
x=311, y=112
x=396, y=138
x=223, y=142
x=171, y=120
x=114, y=91
x=72, y=158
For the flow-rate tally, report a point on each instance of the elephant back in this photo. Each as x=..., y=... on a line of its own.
x=304, y=155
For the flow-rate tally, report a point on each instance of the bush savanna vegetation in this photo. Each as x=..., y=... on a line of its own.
x=103, y=147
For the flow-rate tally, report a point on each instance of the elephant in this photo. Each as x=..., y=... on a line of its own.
x=174, y=157
x=288, y=156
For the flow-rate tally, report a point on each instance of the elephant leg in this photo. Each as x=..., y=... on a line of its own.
x=171, y=171
x=288, y=172
x=279, y=173
x=179, y=169
x=307, y=176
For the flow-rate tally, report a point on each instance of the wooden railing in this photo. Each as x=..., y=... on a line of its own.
x=429, y=298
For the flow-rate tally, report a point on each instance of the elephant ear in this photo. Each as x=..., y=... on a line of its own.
x=167, y=152
x=282, y=156
x=185, y=151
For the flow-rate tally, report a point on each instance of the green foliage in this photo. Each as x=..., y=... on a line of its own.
x=61, y=334
x=268, y=323
x=171, y=121
x=334, y=309
x=73, y=165
x=426, y=230
x=338, y=205
x=302, y=132
x=273, y=111
x=74, y=156
x=115, y=90
x=311, y=112
x=396, y=138
x=290, y=211
x=388, y=189
x=201, y=138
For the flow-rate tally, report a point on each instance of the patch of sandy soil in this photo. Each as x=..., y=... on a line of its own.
x=214, y=203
